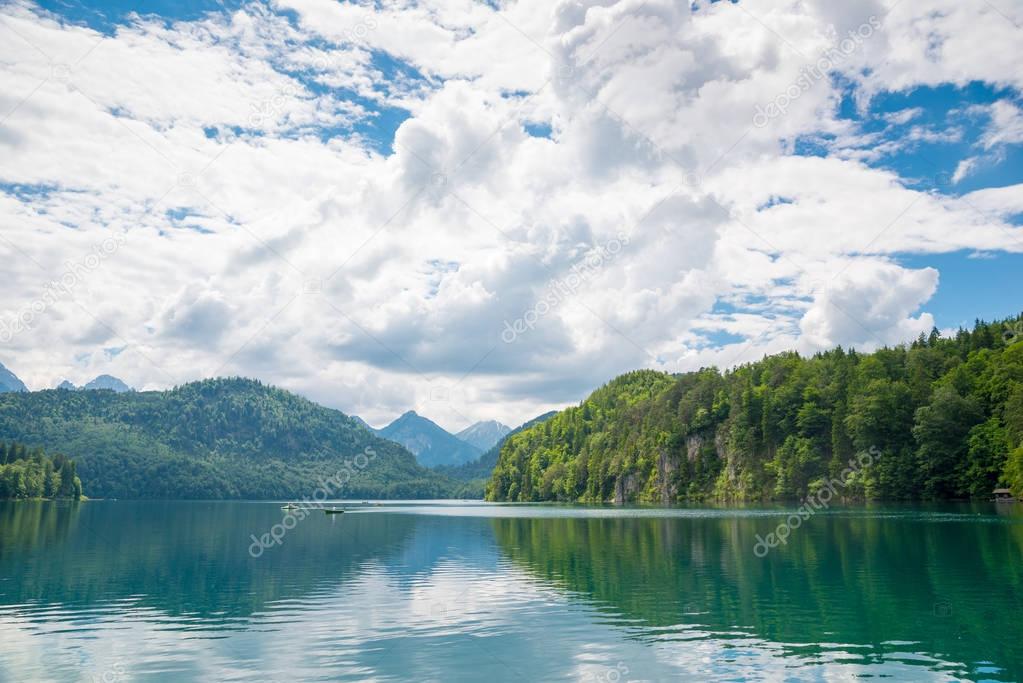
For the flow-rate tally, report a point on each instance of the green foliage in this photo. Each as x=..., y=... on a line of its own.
x=219, y=438
x=474, y=475
x=31, y=473
x=942, y=415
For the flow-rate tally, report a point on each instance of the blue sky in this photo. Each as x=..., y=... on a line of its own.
x=356, y=200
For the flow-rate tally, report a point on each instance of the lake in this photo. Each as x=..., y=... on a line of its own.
x=442, y=591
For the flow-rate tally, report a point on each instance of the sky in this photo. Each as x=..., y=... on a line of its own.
x=485, y=210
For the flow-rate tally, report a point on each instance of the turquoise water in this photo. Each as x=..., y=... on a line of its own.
x=161, y=591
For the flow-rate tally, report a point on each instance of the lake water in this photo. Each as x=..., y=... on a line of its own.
x=153, y=591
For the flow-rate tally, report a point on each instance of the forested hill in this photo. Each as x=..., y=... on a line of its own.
x=943, y=415
x=218, y=438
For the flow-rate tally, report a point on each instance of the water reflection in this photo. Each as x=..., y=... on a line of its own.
x=169, y=591
x=939, y=589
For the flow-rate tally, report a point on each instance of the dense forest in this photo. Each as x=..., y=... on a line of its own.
x=31, y=473
x=944, y=416
x=218, y=438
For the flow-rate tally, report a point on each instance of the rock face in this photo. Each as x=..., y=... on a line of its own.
x=666, y=467
x=625, y=488
x=9, y=381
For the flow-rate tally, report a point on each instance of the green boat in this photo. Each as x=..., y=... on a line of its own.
x=333, y=511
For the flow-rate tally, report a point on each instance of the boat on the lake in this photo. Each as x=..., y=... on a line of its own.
x=333, y=511
x=289, y=506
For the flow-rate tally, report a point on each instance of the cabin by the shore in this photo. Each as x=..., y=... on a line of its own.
x=1004, y=496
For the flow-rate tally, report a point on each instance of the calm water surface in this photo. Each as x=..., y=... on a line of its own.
x=159, y=591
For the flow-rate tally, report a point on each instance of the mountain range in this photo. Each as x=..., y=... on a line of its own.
x=102, y=382
x=10, y=382
x=429, y=442
x=479, y=470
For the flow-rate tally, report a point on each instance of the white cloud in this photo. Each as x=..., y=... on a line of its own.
x=1006, y=125
x=265, y=236
x=869, y=304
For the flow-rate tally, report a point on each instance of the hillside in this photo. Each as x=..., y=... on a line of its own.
x=429, y=442
x=219, y=438
x=942, y=418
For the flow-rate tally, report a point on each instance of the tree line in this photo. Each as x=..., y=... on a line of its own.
x=31, y=473
x=944, y=416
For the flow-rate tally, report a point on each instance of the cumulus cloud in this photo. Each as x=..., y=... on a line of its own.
x=869, y=304
x=275, y=226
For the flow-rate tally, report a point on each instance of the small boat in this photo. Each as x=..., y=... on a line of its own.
x=289, y=506
x=333, y=511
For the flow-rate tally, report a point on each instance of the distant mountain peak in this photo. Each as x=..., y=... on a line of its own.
x=107, y=382
x=9, y=381
x=483, y=435
x=429, y=442
x=67, y=386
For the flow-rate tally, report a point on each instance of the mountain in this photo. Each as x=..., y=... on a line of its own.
x=214, y=439
x=941, y=418
x=67, y=386
x=10, y=382
x=431, y=444
x=363, y=423
x=483, y=435
x=107, y=382
x=482, y=467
